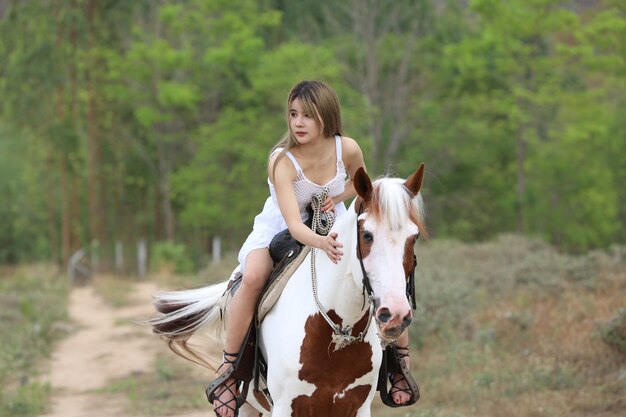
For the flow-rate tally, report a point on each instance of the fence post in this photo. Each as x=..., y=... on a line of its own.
x=217, y=249
x=95, y=245
x=142, y=257
x=119, y=257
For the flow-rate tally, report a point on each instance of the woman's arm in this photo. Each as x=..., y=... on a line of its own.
x=283, y=179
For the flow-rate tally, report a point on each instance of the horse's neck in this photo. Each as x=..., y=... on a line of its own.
x=339, y=290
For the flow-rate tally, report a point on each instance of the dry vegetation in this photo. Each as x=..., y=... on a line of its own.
x=521, y=331
x=507, y=328
x=32, y=308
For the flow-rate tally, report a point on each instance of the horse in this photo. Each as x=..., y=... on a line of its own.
x=323, y=340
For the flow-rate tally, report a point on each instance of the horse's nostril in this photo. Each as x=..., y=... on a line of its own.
x=384, y=315
x=407, y=320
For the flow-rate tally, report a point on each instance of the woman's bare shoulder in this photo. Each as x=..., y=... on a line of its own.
x=352, y=153
x=284, y=167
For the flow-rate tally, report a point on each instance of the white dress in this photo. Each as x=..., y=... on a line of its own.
x=270, y=221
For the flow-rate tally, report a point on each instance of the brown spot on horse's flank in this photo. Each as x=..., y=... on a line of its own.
x=332, y=371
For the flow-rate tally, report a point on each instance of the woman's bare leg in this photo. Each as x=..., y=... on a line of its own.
x=239, y=315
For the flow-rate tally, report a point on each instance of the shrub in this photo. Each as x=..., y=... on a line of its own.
x=613, y=332
x=452, y=278
x=170, y=255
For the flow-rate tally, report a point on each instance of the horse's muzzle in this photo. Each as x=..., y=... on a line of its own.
x=392, y=325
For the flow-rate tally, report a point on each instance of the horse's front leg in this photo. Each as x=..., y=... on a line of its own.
x=365, y=411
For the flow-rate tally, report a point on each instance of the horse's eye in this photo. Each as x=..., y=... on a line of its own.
x=368, y=237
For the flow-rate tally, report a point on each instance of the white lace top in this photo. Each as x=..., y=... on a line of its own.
x=305, y=188
x=270, y=221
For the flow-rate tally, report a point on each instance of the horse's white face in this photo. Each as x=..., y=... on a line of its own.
x=388, y=228
x=388, y=259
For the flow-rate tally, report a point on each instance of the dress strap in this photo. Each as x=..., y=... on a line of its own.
x=290, y=155
x=294, y=161
x=338, y=146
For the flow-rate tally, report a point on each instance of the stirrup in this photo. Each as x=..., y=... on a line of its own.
x=229, y=359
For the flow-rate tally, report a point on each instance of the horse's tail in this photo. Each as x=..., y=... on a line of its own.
x=185, y=312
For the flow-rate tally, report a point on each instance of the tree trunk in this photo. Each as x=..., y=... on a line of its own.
x=52, y=228
x=388, y=91
x=520, y=190
x=65, y=212
x=164, y=193
x=94, y=151
x=75, y=200
x=59, y=103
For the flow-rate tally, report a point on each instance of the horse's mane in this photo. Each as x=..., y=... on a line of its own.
x=392, y=204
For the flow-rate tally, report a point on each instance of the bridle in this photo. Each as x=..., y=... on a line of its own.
x=342, y=336
x=410, y=284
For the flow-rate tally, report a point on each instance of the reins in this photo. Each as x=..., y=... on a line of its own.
x=342, y=336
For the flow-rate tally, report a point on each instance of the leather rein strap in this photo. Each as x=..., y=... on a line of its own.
x=366, y=279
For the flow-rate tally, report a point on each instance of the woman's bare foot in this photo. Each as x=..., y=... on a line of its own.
x=400, y=388
x=224, y=396
x=225, y=402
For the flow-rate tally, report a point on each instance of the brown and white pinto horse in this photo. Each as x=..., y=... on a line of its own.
x=308, y=375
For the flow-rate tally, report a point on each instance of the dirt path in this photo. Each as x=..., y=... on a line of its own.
x=107, y=345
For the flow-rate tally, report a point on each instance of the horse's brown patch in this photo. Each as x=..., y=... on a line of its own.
x=409, y=252
x=332, y=371
x=365, y=247
x=318, y=405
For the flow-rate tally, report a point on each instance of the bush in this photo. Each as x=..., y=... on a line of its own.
x=171, y=256
x=452, y=278
x=614, y=331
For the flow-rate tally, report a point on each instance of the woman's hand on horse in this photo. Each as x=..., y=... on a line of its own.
x=331, y=245
x=329, y=206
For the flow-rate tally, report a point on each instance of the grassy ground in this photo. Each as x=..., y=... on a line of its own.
x=505, y=328
x=33, y=302
x=513, y=328
x=173, y=388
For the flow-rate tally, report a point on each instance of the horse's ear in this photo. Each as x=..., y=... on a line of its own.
x=414, y=182
x=363, y=184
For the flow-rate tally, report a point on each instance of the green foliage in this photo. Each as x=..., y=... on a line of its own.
x=170, y=255
x=225, y=184
x=520, y=137
x=156, y=119
x=22, y=207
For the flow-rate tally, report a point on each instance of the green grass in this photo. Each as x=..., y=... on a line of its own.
x=33, y=300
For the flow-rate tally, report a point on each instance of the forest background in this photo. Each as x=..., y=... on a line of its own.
x=123, y=121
